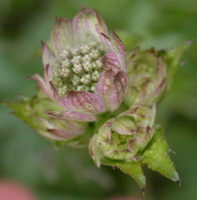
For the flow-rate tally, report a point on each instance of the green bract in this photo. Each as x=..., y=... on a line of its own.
x=96, y=94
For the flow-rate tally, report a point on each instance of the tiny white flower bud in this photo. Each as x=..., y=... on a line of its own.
x=86, y=58
x=87, y=66
x=76, y=59
x=77, y=68
x=95, y=76
x=94, y=54
x=94, y=65
x=86, y=79
x=99, y=64
x=85, y=49
x=64, y=54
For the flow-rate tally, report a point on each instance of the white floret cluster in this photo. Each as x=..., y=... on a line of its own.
x=79, y=69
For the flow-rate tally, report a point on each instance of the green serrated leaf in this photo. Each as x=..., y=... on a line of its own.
x=156, y=157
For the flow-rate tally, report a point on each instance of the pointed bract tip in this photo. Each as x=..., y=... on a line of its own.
x=178, y=181
x=176, y=178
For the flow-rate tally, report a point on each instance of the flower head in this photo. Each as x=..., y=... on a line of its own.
x=84, y=70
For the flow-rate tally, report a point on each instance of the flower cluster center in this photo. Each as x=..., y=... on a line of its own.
x=79, y=69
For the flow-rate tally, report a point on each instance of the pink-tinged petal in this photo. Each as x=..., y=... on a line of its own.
x=62, y=35
x=112, y=87
x=48, y=58
x=106, y=41
x=45, y=133
x=42, y=84
x=84, y=102
x=111, y=62
x=61, y=133
x=114, y=46
x=118, y=43
x=70, y=130
x=87, y=22
x=62, y=129
x=79, y=116
x=124, y=126
x=52, y=136
x=69, y=115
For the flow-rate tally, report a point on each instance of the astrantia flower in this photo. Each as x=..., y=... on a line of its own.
x=93, y=92
x=150, y=74
x=147, y=76
x=84, y=69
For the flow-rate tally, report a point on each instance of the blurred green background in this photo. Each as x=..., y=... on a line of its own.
x=69, y=174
